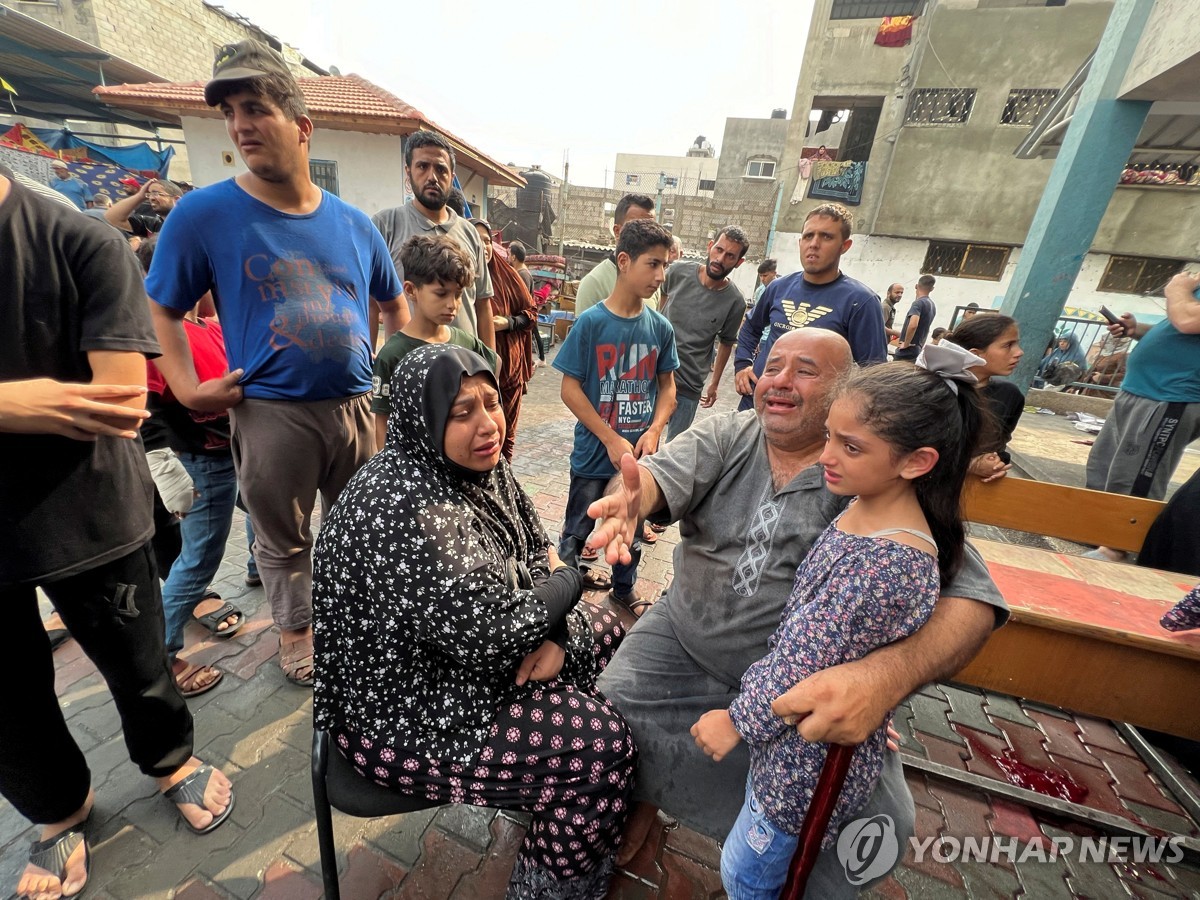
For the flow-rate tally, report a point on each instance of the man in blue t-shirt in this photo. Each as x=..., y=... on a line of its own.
x=617, y=363
x=292, y=270
x=915, y=330
x=69, y=186
x=818, y=296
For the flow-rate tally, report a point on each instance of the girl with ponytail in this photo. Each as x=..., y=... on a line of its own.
x=899, y=439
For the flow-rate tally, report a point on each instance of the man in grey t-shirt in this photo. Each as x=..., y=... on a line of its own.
x=429, y=164
x=702, y=304
x=750, y=499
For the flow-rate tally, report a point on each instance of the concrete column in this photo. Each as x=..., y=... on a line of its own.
x=1095, y=149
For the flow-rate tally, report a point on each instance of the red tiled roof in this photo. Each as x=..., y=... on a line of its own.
x=344, y=102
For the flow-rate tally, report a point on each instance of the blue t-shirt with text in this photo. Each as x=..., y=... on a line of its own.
x=293, y=292
x=617, y=361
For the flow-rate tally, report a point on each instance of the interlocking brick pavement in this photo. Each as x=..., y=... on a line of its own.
x=258, y=728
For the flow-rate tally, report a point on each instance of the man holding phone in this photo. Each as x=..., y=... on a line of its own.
x=1157, y=412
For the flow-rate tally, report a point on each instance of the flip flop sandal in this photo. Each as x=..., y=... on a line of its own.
x=589, y=554
x=191, y=790
x=632, y=604
x=657, y=529
x=294, y=658
x=213, y=620
x=595, y=579
x=648, y=536
x=52, y=854
x=190, y=672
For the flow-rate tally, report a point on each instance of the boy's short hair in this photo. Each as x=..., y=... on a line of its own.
x=517, y=249
x=927, y=282
x=428, y=259
x=457, y=201
x=640, y=235
x=767, y=265
x=838, y=213
x=281, y=91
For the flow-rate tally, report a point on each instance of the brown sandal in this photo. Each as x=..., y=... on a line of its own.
x=633, y=604
x=186, y=680
x=296, y=658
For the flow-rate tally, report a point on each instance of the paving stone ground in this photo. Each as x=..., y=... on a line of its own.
x=258, y=728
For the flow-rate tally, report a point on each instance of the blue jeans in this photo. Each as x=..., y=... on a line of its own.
x=204, y=531
x=681, y=420
x=577, y=526
x=756, y=855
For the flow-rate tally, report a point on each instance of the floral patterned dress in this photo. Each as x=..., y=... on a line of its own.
x=853, y=594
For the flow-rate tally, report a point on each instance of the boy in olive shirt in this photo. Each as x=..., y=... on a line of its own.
x=436, y=270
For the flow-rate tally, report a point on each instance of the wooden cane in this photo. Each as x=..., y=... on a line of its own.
x=816, y=820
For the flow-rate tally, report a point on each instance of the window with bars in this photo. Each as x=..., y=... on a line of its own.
x=760, y=168
x=708, y=184
x=1138, y=274
x=633, y=180
x=324, y=173
x=939, y=106
x=1024, y=105
x=875, y=9
x=985, y=262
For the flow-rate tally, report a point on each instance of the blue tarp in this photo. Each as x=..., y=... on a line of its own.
x=135, y=157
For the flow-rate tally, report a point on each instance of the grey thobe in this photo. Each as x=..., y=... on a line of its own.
x=742, y=542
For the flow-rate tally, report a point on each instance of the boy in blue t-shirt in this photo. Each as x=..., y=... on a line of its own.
x=617, y=363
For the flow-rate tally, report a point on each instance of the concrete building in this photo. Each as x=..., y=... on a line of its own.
x=691, y=175
x=699, y=193
x=358, y=146
x=936, y=126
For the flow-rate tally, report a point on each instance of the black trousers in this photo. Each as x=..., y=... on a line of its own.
x=115, y=613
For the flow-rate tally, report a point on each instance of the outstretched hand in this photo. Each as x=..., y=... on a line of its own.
x=542, y=664
x=617, y=515
x=78, y=411
x=839, y=705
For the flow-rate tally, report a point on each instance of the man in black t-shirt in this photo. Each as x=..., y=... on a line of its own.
x=917, y=323
x=75, y=520
x=126, y=213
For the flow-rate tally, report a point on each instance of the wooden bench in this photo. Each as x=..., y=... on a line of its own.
x=1084, y=634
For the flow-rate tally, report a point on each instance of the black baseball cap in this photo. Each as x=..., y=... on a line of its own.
x=243, y=60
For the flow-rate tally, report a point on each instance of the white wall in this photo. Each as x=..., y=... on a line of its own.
x=370, y=166
x=691, y=169
x=880, y=261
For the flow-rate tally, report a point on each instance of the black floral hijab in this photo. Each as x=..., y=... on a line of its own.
x=422, y=578
x=424, y=387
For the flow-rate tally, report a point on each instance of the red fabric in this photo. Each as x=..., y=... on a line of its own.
x=208, y=350
x=515, y=348
x=894, y=31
